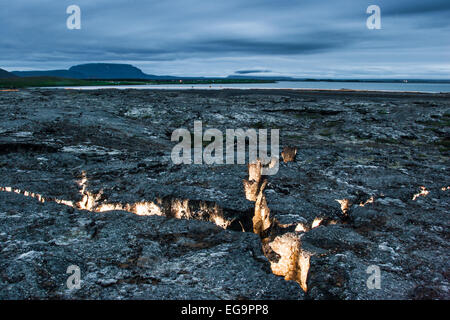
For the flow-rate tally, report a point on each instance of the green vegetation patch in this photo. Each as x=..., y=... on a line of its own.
x=25, y=82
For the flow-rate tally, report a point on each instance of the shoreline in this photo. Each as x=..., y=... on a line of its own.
x=160, y=88
x=263, y=91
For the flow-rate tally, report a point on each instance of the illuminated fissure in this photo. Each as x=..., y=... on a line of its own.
x=288, y=154
x=36, y=196
x=345, y=205
x=316, y=223
x=169, y=207
x=294, y=262
x=370, y=200
x=301, y=228
x=423, y=193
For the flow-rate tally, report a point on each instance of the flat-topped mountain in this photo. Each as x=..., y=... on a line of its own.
x=108, y=71
x=94, y=71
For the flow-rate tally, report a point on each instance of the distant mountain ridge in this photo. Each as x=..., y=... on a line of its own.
x=49, y=73
x=123, y=71
x=5, y=74
x=116, y=71
x=95, y=71
x=120, y=71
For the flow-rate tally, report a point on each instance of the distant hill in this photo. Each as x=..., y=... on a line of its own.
x=108, y=71
x=5, y=74
x=95, y=71
x=49, y=73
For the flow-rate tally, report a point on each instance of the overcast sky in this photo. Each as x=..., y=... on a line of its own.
x=302, y=38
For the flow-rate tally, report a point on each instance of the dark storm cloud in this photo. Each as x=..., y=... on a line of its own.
x=418, y=7
x=251, y=71
x=269, y=47
x=217, y=37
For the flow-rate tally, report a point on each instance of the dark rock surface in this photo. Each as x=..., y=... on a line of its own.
x=376, y=149
x=125, y=256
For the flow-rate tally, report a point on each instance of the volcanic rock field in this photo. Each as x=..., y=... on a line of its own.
x=86, y=179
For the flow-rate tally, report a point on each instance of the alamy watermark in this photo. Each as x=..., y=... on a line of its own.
x=191, y=148
x=74, y=20
x=74, y=280
x=374, y=280
x=374, y=20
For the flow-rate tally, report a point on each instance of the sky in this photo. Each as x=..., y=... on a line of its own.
x=298, y=38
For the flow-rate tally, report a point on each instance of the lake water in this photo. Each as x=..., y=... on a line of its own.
x=323, y=85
